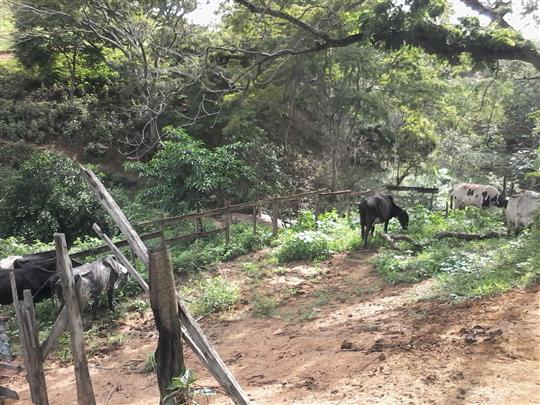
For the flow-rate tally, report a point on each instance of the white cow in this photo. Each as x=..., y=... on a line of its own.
x=476, y=195
x=521, y=211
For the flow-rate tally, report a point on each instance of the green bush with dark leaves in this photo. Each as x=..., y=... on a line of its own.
x=47, y=195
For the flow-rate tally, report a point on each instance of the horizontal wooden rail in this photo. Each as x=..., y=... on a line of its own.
x=191, y=236
x=105, y=248
x=410, y=188
x=329, y=193
x=222, y=210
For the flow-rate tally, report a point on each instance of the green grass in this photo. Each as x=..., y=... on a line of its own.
x=463, y=269
x=214, y=295
x=263, y=306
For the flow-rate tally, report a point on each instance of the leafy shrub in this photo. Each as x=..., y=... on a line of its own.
x=333, y=234
x=306, y=245
x=215, y=294
x=203, y=253
x=47, y=195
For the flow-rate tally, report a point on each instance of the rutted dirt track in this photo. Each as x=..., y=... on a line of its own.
x=342, y=337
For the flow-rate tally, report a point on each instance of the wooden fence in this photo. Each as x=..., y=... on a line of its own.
x=160, y=225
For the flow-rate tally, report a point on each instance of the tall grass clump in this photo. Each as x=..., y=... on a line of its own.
x=215, y=294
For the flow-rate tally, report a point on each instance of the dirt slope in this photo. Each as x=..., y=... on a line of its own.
x=342, y=337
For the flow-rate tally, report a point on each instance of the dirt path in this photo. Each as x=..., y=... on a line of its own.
x=341, y=337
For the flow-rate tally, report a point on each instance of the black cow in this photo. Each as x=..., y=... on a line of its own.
x=35, y=272
x=377, y=209
x=38, y=280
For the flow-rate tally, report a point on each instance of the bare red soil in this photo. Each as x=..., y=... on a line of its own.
x=339, y=336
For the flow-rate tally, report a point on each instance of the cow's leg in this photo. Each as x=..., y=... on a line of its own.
x=110, y=298
x=386, y=226
x=370, y=226
x=95, y=306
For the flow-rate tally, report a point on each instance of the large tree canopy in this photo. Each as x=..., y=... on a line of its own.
x=322, y=25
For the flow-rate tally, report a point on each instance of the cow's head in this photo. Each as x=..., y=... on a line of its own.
x=115, y=266
x=403, y=218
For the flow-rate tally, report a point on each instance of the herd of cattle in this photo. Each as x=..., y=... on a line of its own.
x=520, y=209
x=38, y=273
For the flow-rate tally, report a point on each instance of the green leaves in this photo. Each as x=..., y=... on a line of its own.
x=47, y=195
x=185, y=171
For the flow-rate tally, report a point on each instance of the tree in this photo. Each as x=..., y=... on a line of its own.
x=150, y=43
x=47, y=195
x=390, y=24
x=185, y=174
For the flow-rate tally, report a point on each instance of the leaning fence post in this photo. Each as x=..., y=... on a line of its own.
x=18, y=315
x=227, y=222
x=275, y=215
x=85, y=392
x=317, y=203
x=169, y=355
x=254, y=220
x=34, y=364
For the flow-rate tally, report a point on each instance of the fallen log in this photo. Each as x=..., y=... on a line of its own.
x=390, y=241
x=469, y=236
x=393, y=238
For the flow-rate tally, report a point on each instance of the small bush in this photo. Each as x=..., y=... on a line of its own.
x=263, y=306
x=215, y=294
x=306, y=245
x=333, y=234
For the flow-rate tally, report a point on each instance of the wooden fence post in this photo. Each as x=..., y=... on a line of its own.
x=85, y=392
x=34, y=365
x=317, y=203
x=18, y=315
x=254, y=220
x=227, y=222
x=169, y=356
x=431, y=202
x=121, y=258
x=116, y=213
x=275, y=215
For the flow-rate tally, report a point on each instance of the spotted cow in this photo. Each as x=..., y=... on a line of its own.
x=476, y=195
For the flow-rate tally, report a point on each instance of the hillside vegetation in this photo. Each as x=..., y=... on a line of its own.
x=293, y=96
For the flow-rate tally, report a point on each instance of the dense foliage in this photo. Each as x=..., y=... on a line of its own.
x=47, y=195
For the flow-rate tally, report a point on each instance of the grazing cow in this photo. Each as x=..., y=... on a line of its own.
x=97, y=277
x=38, y=280
x=521, y=211
x=377, y=209
x=35, y=272
x=476, y=195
